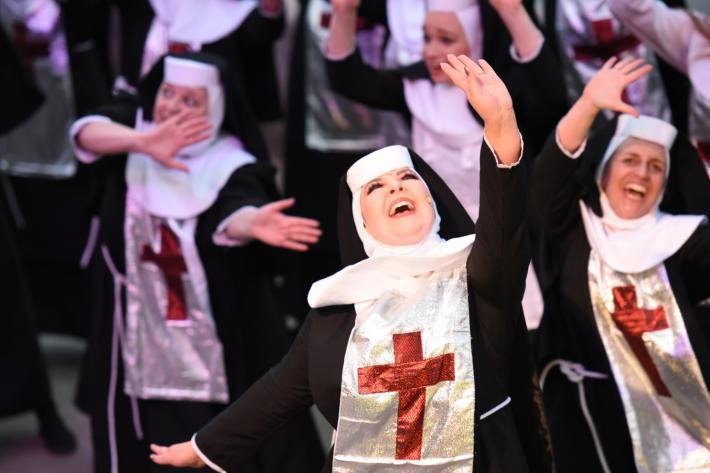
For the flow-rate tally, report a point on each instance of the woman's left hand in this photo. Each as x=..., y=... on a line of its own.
x=272, y=227
x=485, y=91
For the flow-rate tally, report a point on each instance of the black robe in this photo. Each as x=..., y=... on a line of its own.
x=514, y=438
x=248, y=325
x=568, y=330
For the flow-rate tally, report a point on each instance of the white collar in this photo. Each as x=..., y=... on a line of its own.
x=171, y=193
x=632, y=246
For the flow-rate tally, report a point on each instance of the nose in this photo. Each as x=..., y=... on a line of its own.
x=396, y=187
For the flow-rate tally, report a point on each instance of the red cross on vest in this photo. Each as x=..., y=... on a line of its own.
x=633, y=323
x=409, y=375
x=172, y=265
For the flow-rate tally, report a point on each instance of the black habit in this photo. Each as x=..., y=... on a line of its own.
x=515, y=437
x=568, y=330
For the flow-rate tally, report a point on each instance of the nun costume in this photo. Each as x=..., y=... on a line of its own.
x=623, y=345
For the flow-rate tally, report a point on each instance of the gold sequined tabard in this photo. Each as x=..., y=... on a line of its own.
x=665, y=398
x=407, y=393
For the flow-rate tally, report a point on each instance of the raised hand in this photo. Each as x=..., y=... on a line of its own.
x=506, y=6
x=178, y=454
x=604, y=91
x=485, y=91
x=272, y=227
x=164, y=140
x=489, y=96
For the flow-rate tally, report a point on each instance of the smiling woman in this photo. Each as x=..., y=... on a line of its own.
x=623, y=349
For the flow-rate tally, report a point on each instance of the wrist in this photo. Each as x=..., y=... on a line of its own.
x=505, y=123
x=344, y=11
x=513, y=14
x=138, y=141
x=586, y=106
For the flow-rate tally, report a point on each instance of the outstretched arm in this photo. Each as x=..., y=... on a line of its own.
x=161, y=142
x=270, y=225
x=240, y=428
x=555, y=189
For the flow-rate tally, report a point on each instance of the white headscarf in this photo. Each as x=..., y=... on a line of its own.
x=176, y=194
x=386, y=265
x=635, y=245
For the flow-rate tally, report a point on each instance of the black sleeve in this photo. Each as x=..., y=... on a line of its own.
x=695, y=264
x=500, y=255
x=282, y=392
x=252, y=184
x=555, y=188
x=382, y=89
x=539, y=94
x=122, y=109
x=527, y=404
x=261, y=28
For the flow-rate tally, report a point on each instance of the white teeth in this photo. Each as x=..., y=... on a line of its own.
x=637, y=188
x=400, y=205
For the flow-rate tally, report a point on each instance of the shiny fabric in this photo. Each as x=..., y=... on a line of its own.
x=665, y=398
x=407, y=395
x=171, y=348
x=39, y=147
x=334, y=123
x=589, y=34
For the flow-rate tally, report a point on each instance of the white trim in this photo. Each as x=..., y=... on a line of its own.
x=498, y=162
x=496, y=409
x=569, y=154
x=90, y=242
x=530, y=57
x=576, y=373
x=203, y=457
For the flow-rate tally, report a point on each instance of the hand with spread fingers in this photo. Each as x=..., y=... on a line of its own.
x=605, y=90
x=490, y=98
x=484, y=90
x=179, y=455
x=270, y=225
x=164, y=140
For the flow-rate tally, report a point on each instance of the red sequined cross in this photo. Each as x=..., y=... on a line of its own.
x=172, y=265
x=409, y=375
x=633, y=323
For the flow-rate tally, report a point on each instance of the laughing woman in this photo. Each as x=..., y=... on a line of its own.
x=623, y=342
x=415, y=351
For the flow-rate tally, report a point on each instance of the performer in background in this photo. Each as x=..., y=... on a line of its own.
x=27, y=385
x=416, y=331
x=445, y=131
x=185, y=324
x=623, y=346
x=681, y=37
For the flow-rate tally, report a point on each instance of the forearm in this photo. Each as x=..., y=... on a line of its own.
x=239, y=227
x=341, y=40
x=574, y=127
x=504, y=137
x=109, y=138
x=525, y=34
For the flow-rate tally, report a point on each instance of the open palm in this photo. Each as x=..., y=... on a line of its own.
x=271, y=226
x=605, y=90
x=484, y=90
x=163, y=141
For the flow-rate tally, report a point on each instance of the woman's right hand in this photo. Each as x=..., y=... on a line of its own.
x=164, y=140
x=178, y=454
x=605, y=90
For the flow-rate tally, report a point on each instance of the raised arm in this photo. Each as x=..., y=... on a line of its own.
x=500, y=254
x=106, y=137
x=527, y=37
x=555, y=189
x=348, y=74
x=263, y=408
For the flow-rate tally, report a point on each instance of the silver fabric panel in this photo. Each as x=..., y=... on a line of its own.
x=334, y=123
x=367, y=423
x=172, y=360
x=573, y=24
x=669, y=433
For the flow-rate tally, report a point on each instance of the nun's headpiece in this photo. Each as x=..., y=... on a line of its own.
x=644, y=128
x=356, y=243
x=468, y=14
